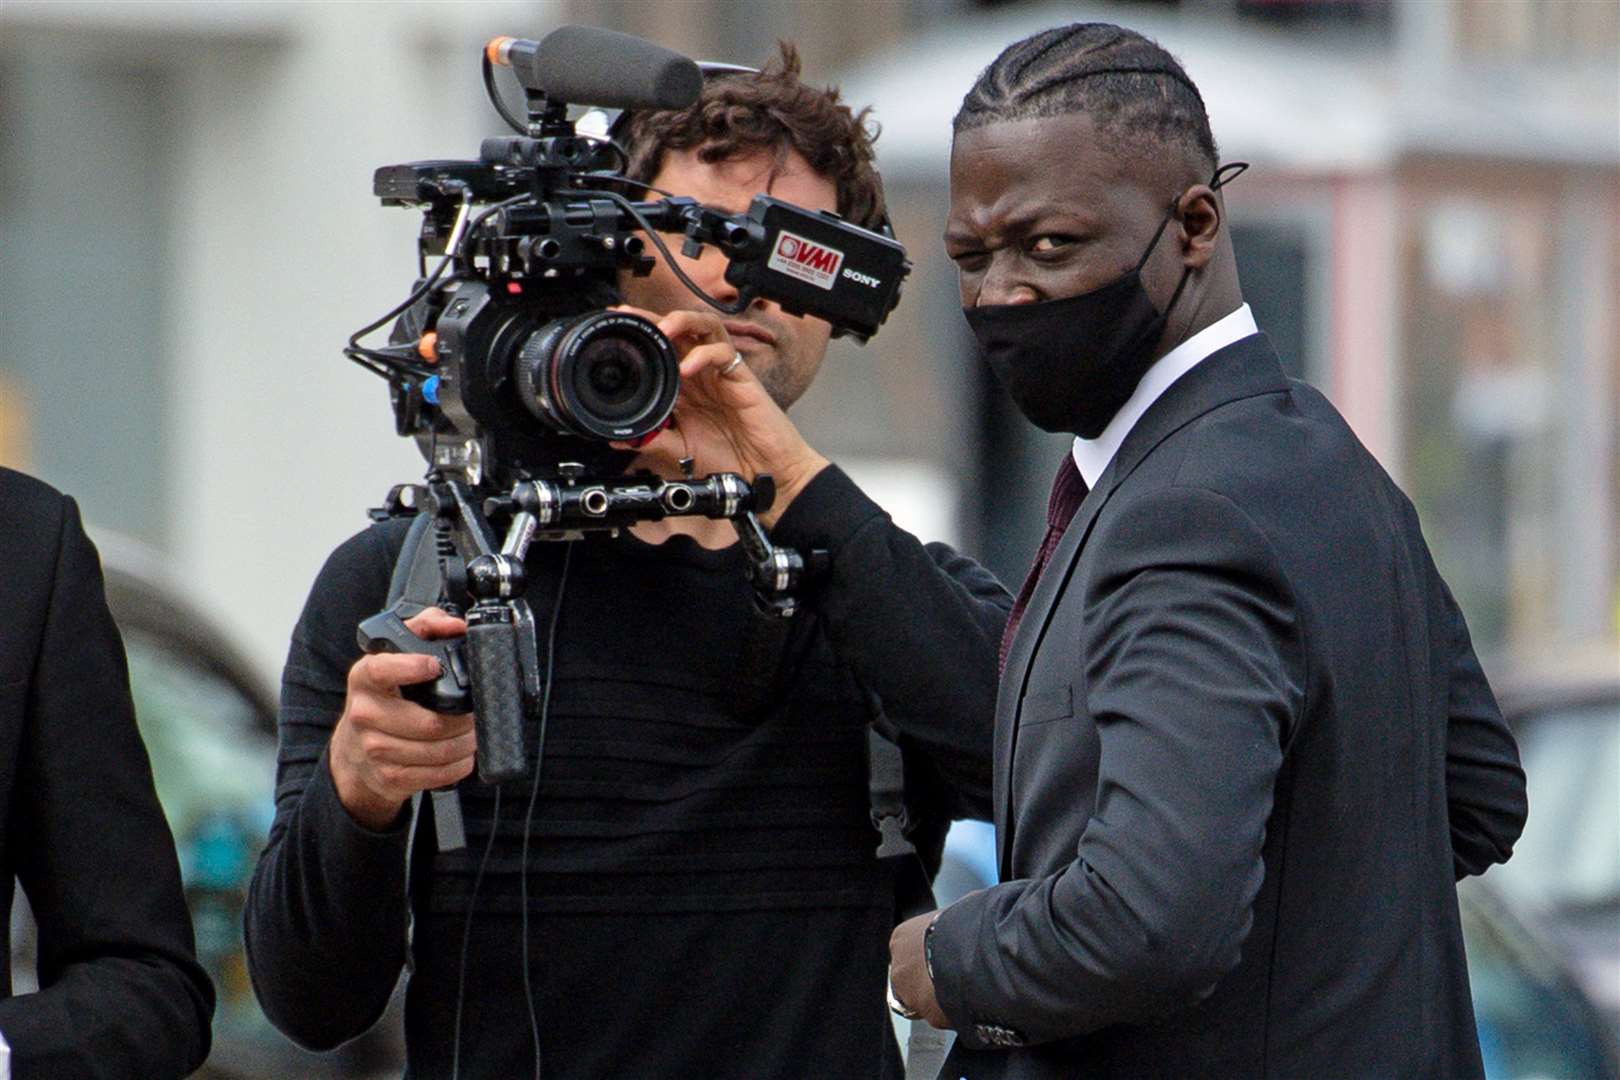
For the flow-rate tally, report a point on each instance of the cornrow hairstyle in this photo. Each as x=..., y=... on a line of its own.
x=768, y=110
x=1134, y=91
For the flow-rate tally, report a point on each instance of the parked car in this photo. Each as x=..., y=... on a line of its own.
x=1565, y=870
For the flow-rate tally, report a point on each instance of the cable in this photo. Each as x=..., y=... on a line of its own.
x=534, y=792
x=495, y=99
x=478, y=222
x=390, y=361
x=466, y=937
x=618, y=178
x=393, y=360
x=618, y=148
x=743, y=300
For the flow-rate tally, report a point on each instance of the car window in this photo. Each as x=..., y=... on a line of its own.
x=1569, y=855
x=1532, y=1021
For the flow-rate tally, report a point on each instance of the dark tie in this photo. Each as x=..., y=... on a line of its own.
x=1068, y=491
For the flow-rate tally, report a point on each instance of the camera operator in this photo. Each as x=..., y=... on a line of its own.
x=695, y=890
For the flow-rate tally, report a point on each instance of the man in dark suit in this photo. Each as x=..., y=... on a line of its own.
x=1243, y=746
x=121, y=994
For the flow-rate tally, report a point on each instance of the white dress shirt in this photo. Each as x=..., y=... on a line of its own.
x=1091, y=456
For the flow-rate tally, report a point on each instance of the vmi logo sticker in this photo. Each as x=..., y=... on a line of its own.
x=806, y=260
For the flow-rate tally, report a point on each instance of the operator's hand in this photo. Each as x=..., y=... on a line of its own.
x=385, y=749
x=909, y=979
x=724, y=419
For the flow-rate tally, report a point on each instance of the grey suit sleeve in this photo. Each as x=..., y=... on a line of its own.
x=121, y=993
x=1191, y=665
x=327, y=912
x=920, y=625
x=1485, y=792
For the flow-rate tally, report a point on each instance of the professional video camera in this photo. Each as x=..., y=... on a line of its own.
x=515, y=366
x=514, y=379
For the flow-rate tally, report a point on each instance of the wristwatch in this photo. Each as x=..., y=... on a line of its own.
x=900, y=1008
x=928, y=944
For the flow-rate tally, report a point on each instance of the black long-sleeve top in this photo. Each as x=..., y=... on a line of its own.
x=703, y=897
x=121, y=994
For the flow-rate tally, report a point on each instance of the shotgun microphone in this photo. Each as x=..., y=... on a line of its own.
x=586, y=64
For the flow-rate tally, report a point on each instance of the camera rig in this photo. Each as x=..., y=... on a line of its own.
x=514, y=379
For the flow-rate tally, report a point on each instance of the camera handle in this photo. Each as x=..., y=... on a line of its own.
x=498, y=658
x=493, y=669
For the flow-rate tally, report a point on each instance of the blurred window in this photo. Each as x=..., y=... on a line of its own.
x=86, y=195
x=1275, y=265
x=1569, y=855
x=1506, y=398
x=1315, y=14
x=1529, y=30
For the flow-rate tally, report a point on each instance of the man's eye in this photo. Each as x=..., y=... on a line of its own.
x=1049, y=243
x=967, y=260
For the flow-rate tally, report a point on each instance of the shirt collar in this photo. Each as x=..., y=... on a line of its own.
x=1091, y=456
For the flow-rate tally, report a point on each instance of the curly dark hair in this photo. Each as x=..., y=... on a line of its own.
x=772, y=110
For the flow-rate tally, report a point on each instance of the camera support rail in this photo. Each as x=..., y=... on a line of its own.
x=495, y=669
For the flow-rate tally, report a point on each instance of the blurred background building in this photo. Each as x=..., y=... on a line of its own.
x=1430, y=232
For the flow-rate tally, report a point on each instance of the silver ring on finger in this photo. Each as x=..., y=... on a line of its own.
x=736, y=359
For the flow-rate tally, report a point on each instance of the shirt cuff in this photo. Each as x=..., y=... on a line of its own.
x=829, y=511
x=951, y=940
x=357, y=844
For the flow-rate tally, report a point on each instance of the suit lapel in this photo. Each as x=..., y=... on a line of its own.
x=1243, y=369
x=1026, y=640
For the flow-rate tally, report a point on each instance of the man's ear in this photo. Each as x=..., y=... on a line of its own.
x=1200, y=219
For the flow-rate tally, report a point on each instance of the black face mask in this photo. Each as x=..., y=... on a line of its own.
x=1070, y=364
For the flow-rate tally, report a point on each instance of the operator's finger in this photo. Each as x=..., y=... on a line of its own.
x=719, y=357
x=413, y=778
x=385, y=673
x=629, y=309
x=392, y=750
x=696, y=327
x=666, y=445
x=431, y=623
x=401, y=719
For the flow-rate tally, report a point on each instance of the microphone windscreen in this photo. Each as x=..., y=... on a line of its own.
x=587, y=65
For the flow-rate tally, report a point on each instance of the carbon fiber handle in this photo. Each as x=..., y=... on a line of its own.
x=492, y=660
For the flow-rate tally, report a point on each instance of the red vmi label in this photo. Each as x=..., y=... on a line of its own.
x=806, y=260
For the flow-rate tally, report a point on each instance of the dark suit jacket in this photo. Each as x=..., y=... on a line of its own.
x=1243, y=750
x=121, y=993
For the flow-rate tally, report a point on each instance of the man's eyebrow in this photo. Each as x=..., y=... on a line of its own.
x=1042, y=218
x=1046, y=214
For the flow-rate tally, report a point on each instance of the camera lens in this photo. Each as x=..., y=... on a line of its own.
x=604, y=375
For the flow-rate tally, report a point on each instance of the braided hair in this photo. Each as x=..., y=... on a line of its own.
x=1135, y=92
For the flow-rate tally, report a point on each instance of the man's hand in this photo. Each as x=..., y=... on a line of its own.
x=726, y=420
x=385, y=749
x=908, y=970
